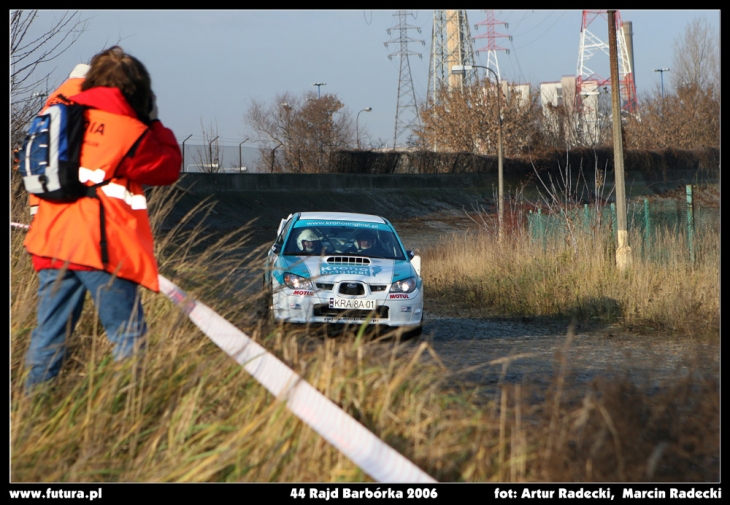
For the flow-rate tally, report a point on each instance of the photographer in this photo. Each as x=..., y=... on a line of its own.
x=102, y=244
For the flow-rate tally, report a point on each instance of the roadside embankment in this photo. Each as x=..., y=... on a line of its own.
x=264, y=199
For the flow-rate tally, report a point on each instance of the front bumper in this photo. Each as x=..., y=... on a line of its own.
x=323, y=306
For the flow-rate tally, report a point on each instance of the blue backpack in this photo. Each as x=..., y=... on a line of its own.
x=49, y=159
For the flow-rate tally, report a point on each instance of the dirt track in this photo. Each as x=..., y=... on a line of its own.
x=482, y=351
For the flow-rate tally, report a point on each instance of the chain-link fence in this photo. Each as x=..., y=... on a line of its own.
x=239, y=159
x=219, y=159
x=652, y=221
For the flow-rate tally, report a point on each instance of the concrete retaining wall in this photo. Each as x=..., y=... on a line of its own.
x=637, y=182
x=264, y=199
x=206, y=183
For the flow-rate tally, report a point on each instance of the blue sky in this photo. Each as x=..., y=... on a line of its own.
x=207, y=65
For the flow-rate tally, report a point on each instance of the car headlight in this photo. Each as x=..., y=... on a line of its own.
x=404, y=286
x=297, y=281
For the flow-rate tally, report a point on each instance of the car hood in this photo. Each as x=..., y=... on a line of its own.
x=337, y=268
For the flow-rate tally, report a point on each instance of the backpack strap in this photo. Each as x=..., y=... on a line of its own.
x=102, y=240
x=91, y=193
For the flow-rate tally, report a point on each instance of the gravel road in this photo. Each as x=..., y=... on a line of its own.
x=488, y=352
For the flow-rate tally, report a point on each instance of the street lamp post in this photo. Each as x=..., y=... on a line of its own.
x=462, y=70
x=319, y=88
x=210, y=151
x=39, y=95
x=357, y=124
x=240, y=156
x=661, y=72
x=183, y=150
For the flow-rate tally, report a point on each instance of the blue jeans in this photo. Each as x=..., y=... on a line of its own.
x=60, y=301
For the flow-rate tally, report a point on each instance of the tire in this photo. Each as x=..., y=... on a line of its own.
x=267, y=303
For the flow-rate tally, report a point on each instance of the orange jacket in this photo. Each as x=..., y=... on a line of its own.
x=126, y=152
x=69, y=88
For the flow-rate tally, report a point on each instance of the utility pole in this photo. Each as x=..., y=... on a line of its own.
x=662, y=70
x=623, y=252
x=464, y=70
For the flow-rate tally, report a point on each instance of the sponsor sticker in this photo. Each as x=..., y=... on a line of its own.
x=349, y=224
x=398, y=295
x=344, y=269
x=349, y=303
x=344, y=320
x=303, y=292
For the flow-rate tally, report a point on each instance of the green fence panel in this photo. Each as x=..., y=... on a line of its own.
x=651, y=221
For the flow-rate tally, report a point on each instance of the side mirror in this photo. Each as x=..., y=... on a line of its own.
x=410, y=254
x=416, y=262
x=281, y=225
x=276, y=248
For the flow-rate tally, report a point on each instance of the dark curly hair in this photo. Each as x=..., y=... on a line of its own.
x=114, y=68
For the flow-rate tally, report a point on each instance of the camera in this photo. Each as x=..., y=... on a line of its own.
x=151, y=104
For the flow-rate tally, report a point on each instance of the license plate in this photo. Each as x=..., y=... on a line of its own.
x=347, y=303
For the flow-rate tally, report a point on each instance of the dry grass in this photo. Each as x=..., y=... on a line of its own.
x=187, y=413
x=662, y=293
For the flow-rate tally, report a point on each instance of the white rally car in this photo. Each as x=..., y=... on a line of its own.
x=343, y=268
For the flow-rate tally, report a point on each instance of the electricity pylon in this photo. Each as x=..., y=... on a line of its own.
x=406, y=112
x=451, y=44
x=492, y=35
x=590, y=44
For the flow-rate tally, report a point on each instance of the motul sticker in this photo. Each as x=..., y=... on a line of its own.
x=393, y=297
x=303, y=292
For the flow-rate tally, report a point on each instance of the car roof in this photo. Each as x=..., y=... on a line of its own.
x=342, y=216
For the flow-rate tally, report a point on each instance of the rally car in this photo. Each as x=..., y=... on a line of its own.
x=341, y=268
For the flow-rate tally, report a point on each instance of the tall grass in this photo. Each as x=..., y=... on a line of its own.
x=185, y=412
x=576, y=276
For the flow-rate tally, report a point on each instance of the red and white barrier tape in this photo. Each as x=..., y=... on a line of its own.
x=372, y=455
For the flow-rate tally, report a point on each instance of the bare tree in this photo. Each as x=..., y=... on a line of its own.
x=688, y=117
x=27, y=55
x=565, y=125
x=466, y=120
x=299, y=133
x=270, y=128
x=696, y=56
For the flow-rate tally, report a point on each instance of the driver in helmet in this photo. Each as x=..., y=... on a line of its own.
x=366, y=242
x=308, y=242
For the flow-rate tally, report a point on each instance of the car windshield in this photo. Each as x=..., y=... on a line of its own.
x=328, y=240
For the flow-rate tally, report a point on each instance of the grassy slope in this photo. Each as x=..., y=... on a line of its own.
x=193, y=415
